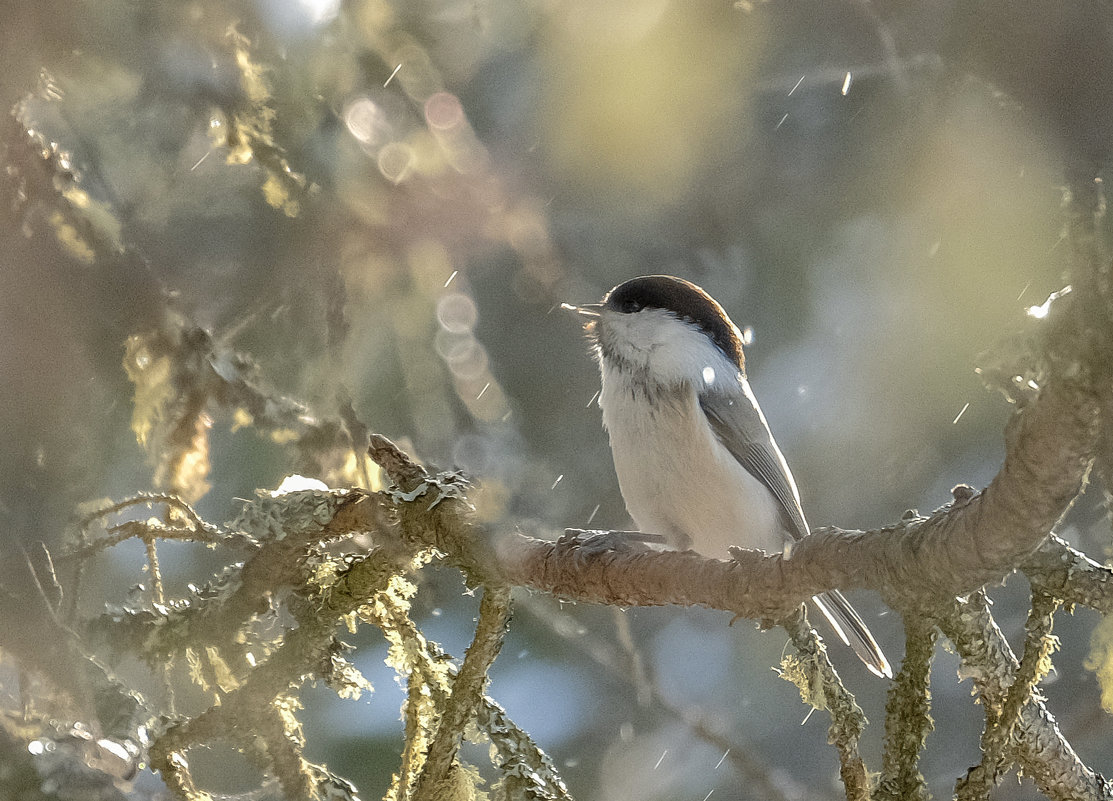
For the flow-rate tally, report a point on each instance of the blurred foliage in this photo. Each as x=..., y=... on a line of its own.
x=1100, y=661
x=373, y=207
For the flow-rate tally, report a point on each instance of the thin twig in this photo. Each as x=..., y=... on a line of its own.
x=522, y=762
x=743, y=758
x=1040, y=748
x=467, y=693
x=847, y=720
x=1001, y=719
x=908, y=714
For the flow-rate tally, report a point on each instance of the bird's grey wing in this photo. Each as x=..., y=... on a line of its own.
x=738, y=423
x=741, y=428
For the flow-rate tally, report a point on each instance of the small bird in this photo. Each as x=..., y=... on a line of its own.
x=695, y=459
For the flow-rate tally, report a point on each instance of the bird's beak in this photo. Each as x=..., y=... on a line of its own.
x=586, y=309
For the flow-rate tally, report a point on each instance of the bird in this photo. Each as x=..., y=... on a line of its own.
x=695, y=458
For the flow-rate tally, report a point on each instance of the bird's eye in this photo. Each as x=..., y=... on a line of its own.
x=630, y=305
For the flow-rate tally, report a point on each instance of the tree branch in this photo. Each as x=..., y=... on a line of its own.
x=467, y=694
x=1040, y=748
x=821, y=687
x=956, y=550
x=1065, y=573
x=908, y=715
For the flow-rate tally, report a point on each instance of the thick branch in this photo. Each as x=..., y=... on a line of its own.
x=959, y=548
x=953, y=552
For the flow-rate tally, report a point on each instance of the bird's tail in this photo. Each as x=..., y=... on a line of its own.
x=853, y=631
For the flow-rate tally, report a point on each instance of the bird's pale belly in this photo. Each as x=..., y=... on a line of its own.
x=679, y=481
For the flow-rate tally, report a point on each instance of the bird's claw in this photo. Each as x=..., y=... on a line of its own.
x=598, y=542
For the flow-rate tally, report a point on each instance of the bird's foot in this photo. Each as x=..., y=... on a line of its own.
x=597, y=542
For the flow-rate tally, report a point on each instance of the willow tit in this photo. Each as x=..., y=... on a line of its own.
x=695, y=459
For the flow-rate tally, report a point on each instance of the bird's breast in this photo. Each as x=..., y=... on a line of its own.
x=677, y=479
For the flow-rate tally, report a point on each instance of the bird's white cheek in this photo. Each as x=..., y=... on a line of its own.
x=671, y=351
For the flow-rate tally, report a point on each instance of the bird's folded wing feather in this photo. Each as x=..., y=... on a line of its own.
x=743, y=431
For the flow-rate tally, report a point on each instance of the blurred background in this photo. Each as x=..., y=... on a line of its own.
x=388, y=201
